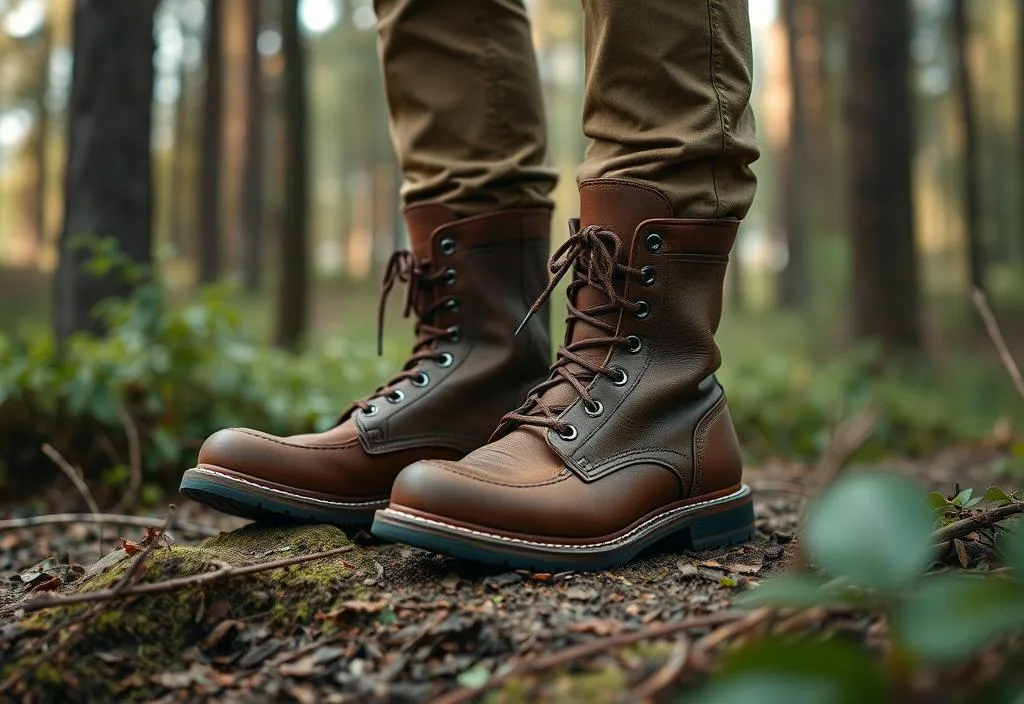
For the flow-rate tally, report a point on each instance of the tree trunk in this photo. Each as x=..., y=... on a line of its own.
x=42, y=143
x=293, y=296
x=970, y=168
x=108, y=179
x=213, y=129
x=251, y=199
x=179, y=202
x=792, y=280
x=885, y=277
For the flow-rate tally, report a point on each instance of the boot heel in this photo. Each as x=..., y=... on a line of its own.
x=733, y=526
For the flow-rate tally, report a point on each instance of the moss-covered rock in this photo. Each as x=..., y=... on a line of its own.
x=148, y=632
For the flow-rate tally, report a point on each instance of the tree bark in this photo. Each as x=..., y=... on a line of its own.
x=293, y=295
x=794, y=166
x=213, y=137
x=108, y=178
x=251, y=200
x=970, y=168
x=885, y=272
x=42, y=143
x=180, y=203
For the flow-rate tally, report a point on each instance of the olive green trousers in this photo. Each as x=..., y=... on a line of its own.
x=666, y=102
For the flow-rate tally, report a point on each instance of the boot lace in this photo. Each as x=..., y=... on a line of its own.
x=593, y=253
x=403, y=267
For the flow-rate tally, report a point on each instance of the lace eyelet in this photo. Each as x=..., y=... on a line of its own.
x=593, y=410
x=653, y=242
x=620, y=376
x=634, y=344
x=568, y=433
x=452, y=304
x=370, y=410
x=643, y=309
x=446, y=360
x=420, y=380
x=396, y=396
x=647, y=275
x=450, y=276
x=454, y=333
x=448, y=246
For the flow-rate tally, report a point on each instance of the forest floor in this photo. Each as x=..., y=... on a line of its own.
x=382, y=622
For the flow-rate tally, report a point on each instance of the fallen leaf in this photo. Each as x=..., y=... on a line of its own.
x=261, y=653
x=710, y=563
x=744, y=568
x=219, y=632
x=128, y=546
x=303, y=667
x=597, y=626
x=541, y=577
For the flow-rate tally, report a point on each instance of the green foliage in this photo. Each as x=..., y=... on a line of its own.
x=873, y=535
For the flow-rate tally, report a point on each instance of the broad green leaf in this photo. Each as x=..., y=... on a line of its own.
x=936, y=500
x=794, y=590
x=953, y=615
x=997, y=495
x=872, y=529
x=1012, y=546
x=779, y=671
x=963, y=497
x=474, y=677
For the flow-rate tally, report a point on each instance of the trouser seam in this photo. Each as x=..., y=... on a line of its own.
x=491, y=79
x=714, y=66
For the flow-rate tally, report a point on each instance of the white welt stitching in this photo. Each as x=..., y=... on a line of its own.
x=741, y=492
x=358, y=504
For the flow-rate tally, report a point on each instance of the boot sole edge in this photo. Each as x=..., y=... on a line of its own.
x=708, y=525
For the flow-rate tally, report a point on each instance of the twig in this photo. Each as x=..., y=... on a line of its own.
x=848, y=437
x=593, y=647
x=663, y=677
x=996, y=335
x=111, y=518
x=83, y=488
x=196, y=580
x=731, y=630
x=131, y=431
x=979, y=520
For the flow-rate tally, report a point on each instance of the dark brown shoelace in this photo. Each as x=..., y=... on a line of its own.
x=593, y=253
x=403, y=267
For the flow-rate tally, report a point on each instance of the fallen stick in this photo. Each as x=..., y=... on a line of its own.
x=593, y=647
x=972, y=523
x=996, y=335
x=76, y=479
x=131, y=431
x=663, y=677
x=196, y=580
x=111, y=518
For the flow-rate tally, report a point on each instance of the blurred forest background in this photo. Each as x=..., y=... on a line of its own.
x=228, y=179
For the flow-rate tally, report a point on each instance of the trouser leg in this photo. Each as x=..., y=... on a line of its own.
x=467, y=119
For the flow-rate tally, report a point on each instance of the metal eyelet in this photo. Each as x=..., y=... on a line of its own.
x=454, y=333
x=450, y=276
x=634, y=344
x=371, y=410
x=568, y=433
x=595, y=410
x=643, y=309
x=653, y=242
x=452, y=304
x=396, y=396
x=620, y=376
x=448, y=246
x=647, y=275
x=446, y=360
x=420, y=380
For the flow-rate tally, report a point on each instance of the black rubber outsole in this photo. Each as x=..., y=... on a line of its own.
x=244, y=502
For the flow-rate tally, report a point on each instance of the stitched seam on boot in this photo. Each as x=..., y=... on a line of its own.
x=376, y=502
x=700, y=436
x=278, y=441
x=742, y=491
x=713, y=68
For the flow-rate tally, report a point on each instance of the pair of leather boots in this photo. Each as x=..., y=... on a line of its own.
x=627, y=441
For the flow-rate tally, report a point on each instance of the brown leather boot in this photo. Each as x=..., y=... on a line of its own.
x=629, y=440
x=470, y=282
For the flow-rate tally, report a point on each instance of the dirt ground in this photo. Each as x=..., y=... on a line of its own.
x=377, y=622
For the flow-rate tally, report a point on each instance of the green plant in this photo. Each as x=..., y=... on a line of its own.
x=872, y=537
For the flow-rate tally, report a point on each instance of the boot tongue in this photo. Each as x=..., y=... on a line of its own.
x=618, y=206
x=422, y=220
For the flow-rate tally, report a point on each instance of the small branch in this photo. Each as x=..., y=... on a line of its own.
x=664, y=677
x=731, y=630
x=76, y=479
x=196, y=580
x=996, y=335
x=973, y=523
x=111, y=518
x=593, y=647
x=131, y=496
